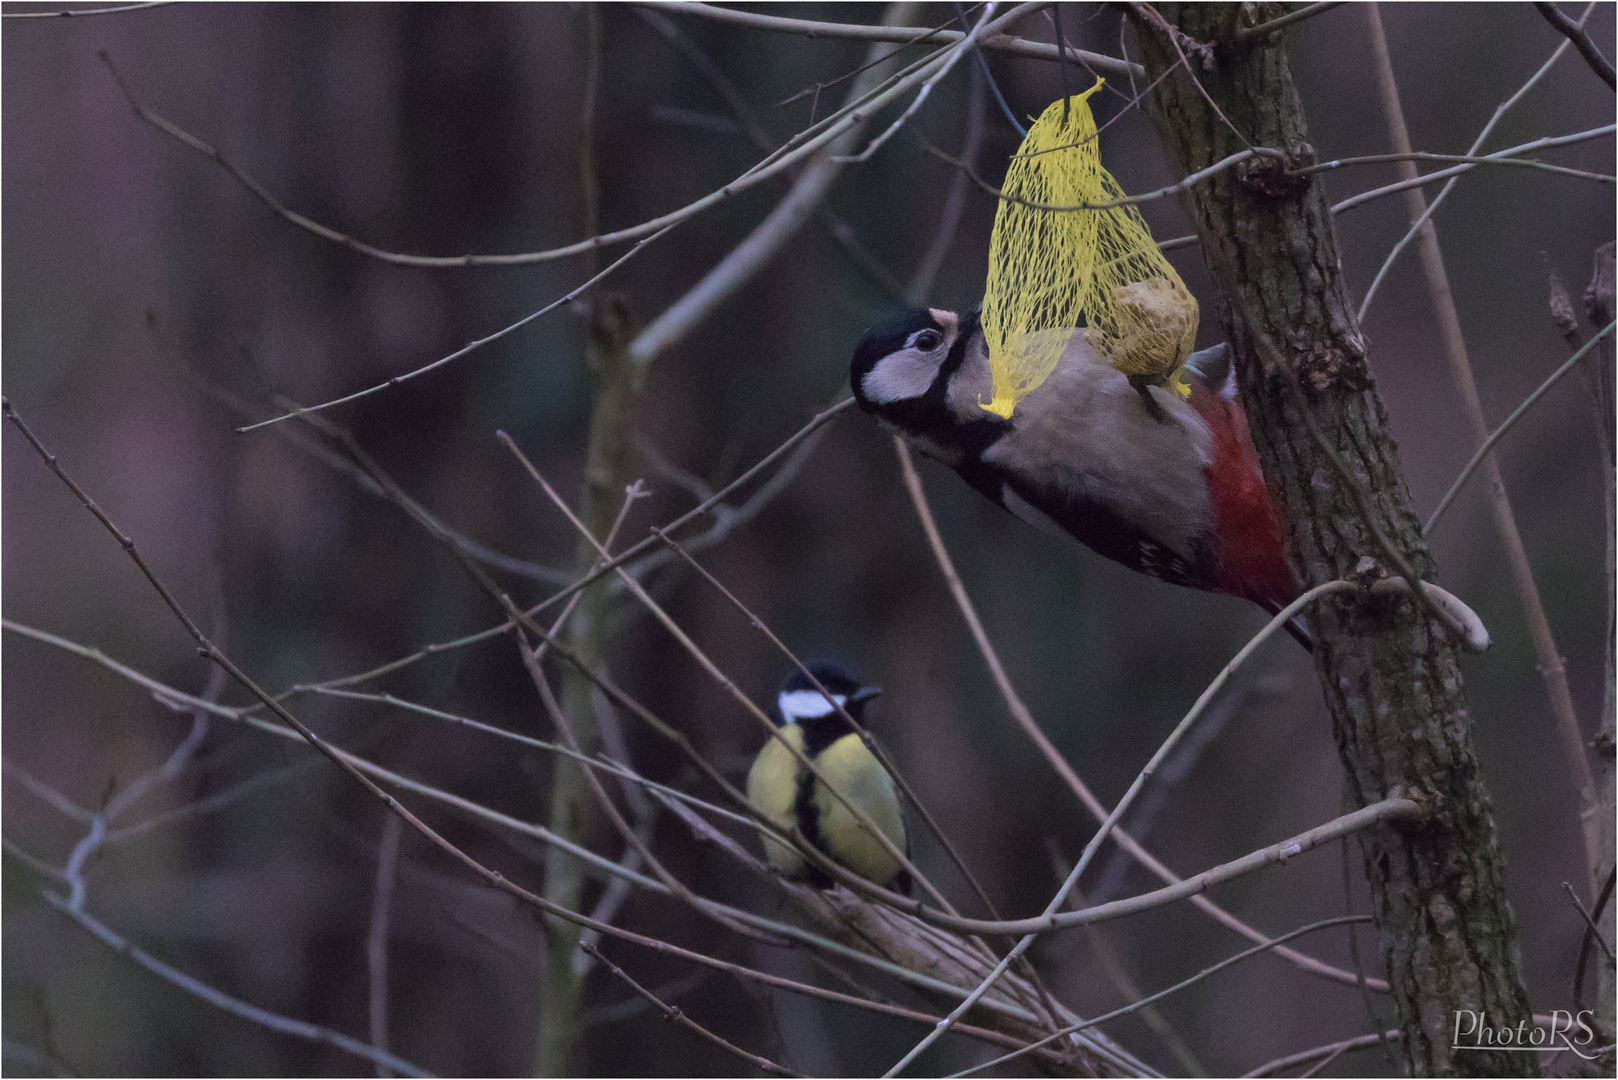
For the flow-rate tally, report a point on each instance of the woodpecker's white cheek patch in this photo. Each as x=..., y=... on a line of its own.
x=902, y=375
x=806, y=704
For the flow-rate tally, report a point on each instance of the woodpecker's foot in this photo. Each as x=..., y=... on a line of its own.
x=1143, y=387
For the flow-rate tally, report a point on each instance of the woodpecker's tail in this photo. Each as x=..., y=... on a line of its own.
x=1293, y=626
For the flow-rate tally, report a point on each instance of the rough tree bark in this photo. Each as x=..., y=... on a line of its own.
x=1388, y=673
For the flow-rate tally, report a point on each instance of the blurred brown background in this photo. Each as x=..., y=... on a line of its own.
x=138, y=277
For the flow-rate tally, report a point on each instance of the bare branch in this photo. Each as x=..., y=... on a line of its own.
x=1031, y=928
x=1176, y=988
x=376, y=940
x=1035, y=50
x=1245, y=34
x=1477, y=144
x=1331, y=1051
x=285, y=1025
x=1505, y=426
x=670, y=1012
x=1025, y=721
x=1576, y=33
x=81, y=12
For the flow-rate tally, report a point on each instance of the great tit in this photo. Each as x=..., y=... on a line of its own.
x=790, y=796
x=1165, y=484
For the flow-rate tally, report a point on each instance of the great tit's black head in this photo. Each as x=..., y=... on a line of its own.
x=900, y=359
x=799, y=700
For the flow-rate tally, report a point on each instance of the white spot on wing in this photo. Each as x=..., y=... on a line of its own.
x=1028, y=512
x=806, y=704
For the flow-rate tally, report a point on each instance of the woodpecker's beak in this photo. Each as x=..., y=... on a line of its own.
x=862, y=695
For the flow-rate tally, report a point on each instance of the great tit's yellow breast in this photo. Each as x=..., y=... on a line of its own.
x=772, y=788
x=852, y=769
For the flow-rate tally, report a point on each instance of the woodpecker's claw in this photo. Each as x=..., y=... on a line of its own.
x=1143, y=387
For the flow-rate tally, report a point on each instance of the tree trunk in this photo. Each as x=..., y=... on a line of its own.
x=1389, y=674
x=1598, y=301
x=606, y=475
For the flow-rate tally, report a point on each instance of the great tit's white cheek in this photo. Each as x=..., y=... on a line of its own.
x=807, y=704
x=902, y=375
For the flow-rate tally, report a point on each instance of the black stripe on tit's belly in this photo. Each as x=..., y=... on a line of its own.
x=790, y=795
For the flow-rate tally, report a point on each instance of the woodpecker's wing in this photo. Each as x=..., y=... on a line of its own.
x=1086, y=455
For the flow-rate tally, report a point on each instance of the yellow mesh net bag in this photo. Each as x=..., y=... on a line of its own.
x=1052, y=269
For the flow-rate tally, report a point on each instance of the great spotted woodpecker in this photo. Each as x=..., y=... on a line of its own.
x=1166, y=485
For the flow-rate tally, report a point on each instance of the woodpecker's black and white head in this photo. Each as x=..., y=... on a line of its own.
x=922, y=373
x=800, y=703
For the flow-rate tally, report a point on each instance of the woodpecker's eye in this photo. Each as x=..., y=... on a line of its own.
x=926, y=340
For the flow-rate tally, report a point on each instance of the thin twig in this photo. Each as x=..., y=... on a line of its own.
x=1449, y=322
x=376, y=939
x=802, y=146
x=1364, y=197
x=81, y=12
x=954, y=205
x=1330, y=1050
x=1505, y=426
x=1547, y=143
x=1592, y=933
x=1372, y=815
x=285, y=1025
x=603, y=865
x=1576, y=33
x=49, y=794
x=1025, y=721
x=960, y=49
x=730, y=687
x=469, y=347
x=1386, y=159
x=1589, y=921
x=1183, y=984
x=1477, y=144
x=1181, y=41
x=1034, y=50
x=1128, y=200
x=714, y=503
x=1246, y=34
x=630, y=836
x=671, y=1012
x=759, y=247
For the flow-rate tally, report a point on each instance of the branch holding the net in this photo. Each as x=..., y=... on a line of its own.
x=1034, y=50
